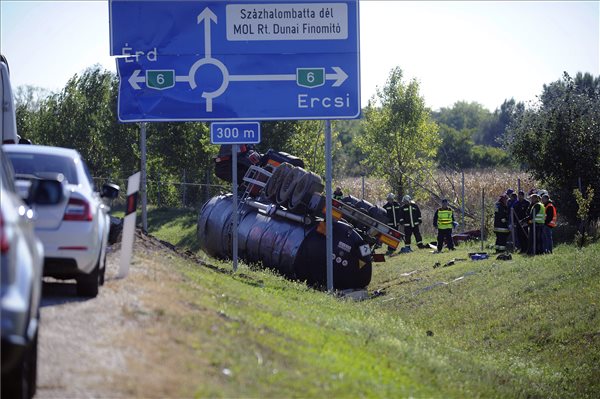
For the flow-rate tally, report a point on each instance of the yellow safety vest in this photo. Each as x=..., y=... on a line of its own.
x=444, y=220
x=540, y=217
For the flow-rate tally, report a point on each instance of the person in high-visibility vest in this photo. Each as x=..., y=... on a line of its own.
x=549, y=223
x=520, y=209
x=393, y=213
x=501, y=223
x=338, y=194
x=443, y=220
x=536, y=219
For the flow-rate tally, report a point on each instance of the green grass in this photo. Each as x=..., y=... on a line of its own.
x=529, y=327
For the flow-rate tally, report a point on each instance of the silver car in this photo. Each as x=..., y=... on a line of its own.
x=75, y=231
x=21, y=261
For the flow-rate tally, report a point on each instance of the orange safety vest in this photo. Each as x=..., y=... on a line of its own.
x=552, y=223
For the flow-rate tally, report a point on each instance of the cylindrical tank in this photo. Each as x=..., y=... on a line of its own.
x=296, y=250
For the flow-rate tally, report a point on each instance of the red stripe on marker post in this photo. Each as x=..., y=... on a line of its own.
x=132, y=200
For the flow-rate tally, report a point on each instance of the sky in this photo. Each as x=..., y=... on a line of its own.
x=482, y=52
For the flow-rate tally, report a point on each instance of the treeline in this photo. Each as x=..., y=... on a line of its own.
x=398, y=138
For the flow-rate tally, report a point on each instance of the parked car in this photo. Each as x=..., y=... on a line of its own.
x=21, y=261
x=75, y=231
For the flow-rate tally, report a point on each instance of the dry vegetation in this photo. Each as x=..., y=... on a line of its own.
x=447, y=185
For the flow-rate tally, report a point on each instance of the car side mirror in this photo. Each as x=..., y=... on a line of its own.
x=45, y=192
x=110, y=191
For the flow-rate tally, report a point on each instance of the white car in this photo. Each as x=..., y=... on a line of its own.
x=75, y=231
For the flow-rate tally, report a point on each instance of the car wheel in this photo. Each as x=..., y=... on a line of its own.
x=21, y=382
x=87, y=284
x=103, y=271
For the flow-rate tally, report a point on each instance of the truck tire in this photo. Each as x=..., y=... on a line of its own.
x=274, y=182
x=288, y=185
x=308, y=184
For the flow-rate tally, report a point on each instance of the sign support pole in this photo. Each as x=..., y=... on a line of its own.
x=234, y=229
x=143, y=175
x=328, y=215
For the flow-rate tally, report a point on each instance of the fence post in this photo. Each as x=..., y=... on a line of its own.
x=184, y=187
x=207, y=186
x=158, y=199
x=362, y=197
x=482, y=215
x=463, y=202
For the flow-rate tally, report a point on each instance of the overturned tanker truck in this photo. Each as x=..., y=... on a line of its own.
x=281, y=222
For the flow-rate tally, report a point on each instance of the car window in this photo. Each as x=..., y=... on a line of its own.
x=88, y=175
x=41, y=165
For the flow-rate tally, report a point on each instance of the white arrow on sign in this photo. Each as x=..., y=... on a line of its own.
x=339, y=76
x=206, y=16
x=135, y=78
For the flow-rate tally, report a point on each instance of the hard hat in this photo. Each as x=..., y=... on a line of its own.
x=390, y=196
x=406, y=198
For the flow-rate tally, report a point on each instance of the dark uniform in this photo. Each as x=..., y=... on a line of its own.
x=520, y=208
x=410, y=217
x=537, y=219
x=501, y=223
x=394, y=215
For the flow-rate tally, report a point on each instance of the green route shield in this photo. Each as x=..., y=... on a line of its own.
x=160, y=79
x=310, y=77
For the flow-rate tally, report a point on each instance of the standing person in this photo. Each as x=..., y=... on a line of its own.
x=338, y=194
x=536, y=218
x=393, y=213
x=520, y=209
x=549, y=223
x=443, y=220
x=410, y=217
x=512, y=197
x=501, y=223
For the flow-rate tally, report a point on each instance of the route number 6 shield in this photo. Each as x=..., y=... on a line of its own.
x=160, y=79
x=310, y=77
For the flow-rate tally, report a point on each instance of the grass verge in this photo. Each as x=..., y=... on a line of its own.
x=528, y=327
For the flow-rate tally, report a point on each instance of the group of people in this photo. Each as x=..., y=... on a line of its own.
x=408, y=215
x=532, y=221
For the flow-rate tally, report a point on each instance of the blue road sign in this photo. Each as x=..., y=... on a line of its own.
x=235, y=132
x=227, y=60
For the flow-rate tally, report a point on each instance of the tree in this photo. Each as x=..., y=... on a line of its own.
x=463, y=115
x=400, y=137
x=559, y=140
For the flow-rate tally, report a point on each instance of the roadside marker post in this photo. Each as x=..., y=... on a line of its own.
x=127, y=237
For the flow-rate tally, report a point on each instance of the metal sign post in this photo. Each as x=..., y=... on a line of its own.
x=234, y=227
x=328, y=215
x=234, y=133
x=143, y=173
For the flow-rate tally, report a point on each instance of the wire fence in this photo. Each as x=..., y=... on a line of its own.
x=472, y=195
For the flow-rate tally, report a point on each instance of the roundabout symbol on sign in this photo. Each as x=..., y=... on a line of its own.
x=164, y=79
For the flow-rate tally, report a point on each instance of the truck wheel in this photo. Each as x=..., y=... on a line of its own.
x=87, y=284
x=308, y=184
x=274, y=182
x=288, y=185
x=103, y=271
